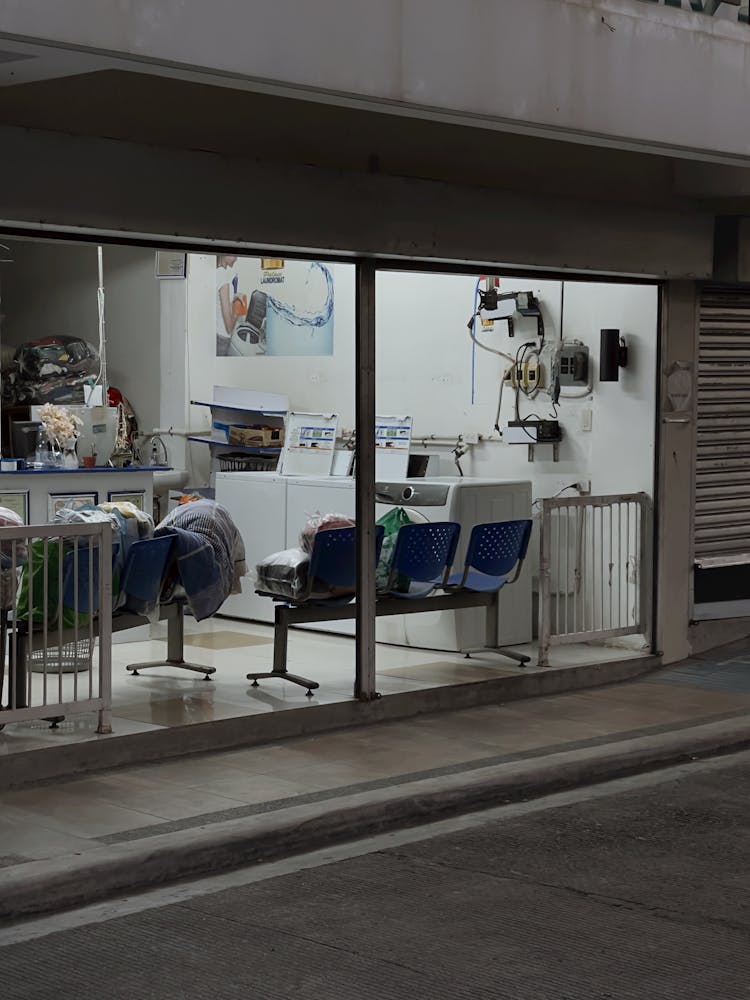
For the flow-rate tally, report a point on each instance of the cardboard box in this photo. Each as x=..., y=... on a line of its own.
x=257, y=437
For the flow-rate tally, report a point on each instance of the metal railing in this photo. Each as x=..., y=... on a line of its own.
x=55, y=601
x=595, y=578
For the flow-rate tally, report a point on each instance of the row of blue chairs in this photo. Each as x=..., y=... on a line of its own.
x=423, y=555
x=421, y=564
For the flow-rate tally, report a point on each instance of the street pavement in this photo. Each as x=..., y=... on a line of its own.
x=635, y=890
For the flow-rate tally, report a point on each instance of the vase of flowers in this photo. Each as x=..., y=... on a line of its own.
x=61, y=427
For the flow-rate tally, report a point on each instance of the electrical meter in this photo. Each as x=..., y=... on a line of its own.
x=574, y=364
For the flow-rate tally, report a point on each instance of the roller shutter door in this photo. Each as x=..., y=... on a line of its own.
x=722, y=507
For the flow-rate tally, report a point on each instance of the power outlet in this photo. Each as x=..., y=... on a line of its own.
x=584, y=487
x=471, y=437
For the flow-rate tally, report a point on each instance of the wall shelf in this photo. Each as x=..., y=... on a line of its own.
x=238, y=409
x=235, y=447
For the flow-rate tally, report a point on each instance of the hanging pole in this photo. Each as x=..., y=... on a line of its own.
x=102, y=380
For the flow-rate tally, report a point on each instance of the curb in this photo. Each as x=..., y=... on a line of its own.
x=76, y=880
x=103, y=753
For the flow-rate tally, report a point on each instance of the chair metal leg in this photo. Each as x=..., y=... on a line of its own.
x=280, y=644
x=175, y=649
x=491, y=632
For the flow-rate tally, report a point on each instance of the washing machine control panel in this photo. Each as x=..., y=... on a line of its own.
x=415, y=494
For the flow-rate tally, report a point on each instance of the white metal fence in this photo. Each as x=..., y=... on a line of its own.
x=55, y=600
x=595, y=579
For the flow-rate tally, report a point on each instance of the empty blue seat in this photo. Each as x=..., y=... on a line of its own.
x=494, y=551
x=424, y=553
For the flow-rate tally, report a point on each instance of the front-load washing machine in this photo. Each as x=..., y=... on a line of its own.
x=467, y=502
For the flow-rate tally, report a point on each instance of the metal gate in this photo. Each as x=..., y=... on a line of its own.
x=722, y=481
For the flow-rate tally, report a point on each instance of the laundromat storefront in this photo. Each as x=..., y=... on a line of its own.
x=498, y=397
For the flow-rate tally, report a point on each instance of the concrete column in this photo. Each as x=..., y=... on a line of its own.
x=676, y=474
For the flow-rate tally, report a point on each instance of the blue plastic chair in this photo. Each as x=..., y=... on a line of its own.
x=333, y=562
x=424, y=553
x=494, y=551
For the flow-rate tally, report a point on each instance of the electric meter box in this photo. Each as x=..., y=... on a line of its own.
x=574, y=364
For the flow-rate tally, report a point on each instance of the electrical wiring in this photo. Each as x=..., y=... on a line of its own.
x=474, y=346
x=577, y=395
x=473, y=333
x=573, y=486
x=499, y=405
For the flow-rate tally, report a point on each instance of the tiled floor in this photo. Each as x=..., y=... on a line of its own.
x=169, y=696
x=76, y=815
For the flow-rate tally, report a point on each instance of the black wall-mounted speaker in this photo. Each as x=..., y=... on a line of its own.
x=612, y=356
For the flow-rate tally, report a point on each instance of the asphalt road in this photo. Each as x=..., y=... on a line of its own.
x=637, y=894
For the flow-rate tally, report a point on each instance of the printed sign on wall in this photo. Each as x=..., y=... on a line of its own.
x=273, y=307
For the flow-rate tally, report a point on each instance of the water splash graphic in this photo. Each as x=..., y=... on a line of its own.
x=314, y=320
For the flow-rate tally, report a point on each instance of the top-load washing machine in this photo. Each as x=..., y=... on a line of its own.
x=257, y=503
x=467, y=501
x=270, y=511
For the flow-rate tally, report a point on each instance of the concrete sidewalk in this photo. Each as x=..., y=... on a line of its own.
x=72, y=841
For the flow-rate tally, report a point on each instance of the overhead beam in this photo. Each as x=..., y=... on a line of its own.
x=97, y=185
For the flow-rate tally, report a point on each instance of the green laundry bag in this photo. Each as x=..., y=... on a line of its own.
x=31, y=590
x=392, y=522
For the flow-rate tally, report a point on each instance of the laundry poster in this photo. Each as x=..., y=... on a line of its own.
x=273, y=307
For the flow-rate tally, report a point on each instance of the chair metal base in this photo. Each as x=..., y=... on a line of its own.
x=134, y=668
x=521, y=658
x=285, y=676
x=175, y=616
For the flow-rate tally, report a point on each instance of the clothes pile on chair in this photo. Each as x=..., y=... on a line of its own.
x=9, y=576
x=129, y=525
x=208, y=554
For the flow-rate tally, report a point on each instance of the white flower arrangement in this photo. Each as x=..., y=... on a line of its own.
x=60, y=424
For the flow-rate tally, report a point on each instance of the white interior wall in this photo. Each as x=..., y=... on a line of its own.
x=161, y=351
x=424, y=368
x=133, y=325
x=313, y=383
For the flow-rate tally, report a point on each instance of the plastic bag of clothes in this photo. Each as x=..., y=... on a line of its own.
x=50, y=370
x=321, y=522
x=283, y=574
x=392, y=522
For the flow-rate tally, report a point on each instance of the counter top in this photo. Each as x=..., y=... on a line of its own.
x=100, y=469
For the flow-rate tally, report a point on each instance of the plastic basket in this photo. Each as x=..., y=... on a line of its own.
x=71, y=657
x=239, y=462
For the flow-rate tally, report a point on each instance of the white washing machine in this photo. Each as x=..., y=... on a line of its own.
x=257, y=504
x=270, y=511
x=468, y=502
x=310, y=495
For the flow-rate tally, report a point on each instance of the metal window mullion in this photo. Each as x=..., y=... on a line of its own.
x=365, y=684
x=105, y=629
